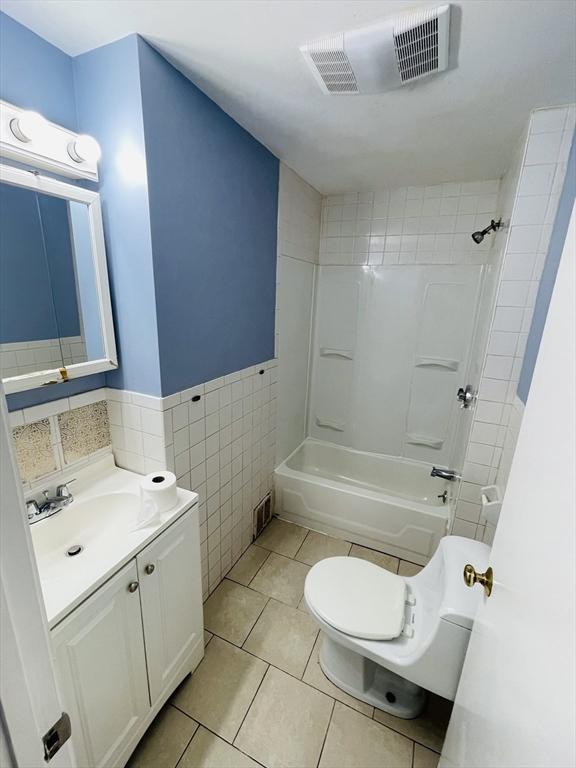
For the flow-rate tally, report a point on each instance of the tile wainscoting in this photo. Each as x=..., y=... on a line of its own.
x=20, y=357
x=219, y=440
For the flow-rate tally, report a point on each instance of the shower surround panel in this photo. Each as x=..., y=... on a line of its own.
x=391, y=347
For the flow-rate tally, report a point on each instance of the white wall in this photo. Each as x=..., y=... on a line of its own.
x=299, y=208
x=528, y=205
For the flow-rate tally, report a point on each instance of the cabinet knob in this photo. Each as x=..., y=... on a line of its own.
x=133, y=586
x=150, y=568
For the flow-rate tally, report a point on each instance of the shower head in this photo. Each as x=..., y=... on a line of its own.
x=479, y=236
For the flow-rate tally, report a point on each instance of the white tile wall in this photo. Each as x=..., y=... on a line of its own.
x=17, y=358
x=408, y=225
x=299, y=209
x=219, y=440
x=528, y=206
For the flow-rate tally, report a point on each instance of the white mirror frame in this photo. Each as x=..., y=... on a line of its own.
x=48, y=186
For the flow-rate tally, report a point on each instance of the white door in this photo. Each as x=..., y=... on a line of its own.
x=101, y=666
x=516, y=702
x=30, y=700
x=170, y=579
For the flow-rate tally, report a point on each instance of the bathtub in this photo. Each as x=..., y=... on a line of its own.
x=387, y=503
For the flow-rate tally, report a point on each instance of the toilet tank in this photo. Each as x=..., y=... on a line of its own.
x=459, y=603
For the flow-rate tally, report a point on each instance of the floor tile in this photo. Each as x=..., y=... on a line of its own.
x=355, y=741
x=429, y=729
x=283, y=636
x=207, y=638
x=208, y=751
x=221, y=689
x=247, y=566
x=425, y=758
x=232, y=610
x=317, y=546
x=282, y=537
x=286, y=724
x=315, y=677
x=282, y=579
x=408, y=569
x=302, y=605
x=164, y=741
x=379, y=558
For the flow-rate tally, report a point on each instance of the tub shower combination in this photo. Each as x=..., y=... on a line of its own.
x=383, y=502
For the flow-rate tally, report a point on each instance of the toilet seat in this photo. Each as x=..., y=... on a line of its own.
x=357, y=597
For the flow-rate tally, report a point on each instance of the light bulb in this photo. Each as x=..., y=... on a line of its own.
x=27, y=125
x=84, y=149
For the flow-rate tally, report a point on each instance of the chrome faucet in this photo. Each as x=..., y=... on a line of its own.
x=51, y=505
x=445, y=474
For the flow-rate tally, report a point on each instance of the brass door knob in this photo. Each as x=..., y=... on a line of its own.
x=150, y=568
x=486, y=579
x=133, y=586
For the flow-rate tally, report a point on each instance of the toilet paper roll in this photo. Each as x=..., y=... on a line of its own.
x=159, y=494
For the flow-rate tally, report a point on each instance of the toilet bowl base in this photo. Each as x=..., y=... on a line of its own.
x=365, y=680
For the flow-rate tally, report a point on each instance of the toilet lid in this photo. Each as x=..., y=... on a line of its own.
x=357, y=597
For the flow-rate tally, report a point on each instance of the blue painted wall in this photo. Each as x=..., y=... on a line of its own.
x=58, y=241
x=549, y=275
x=213, y=191
x=190, y=211
x=37, y=287
x=109, y=105
x=35, y=75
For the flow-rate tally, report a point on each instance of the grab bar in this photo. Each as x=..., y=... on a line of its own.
x=337, y=426
x=348, y=354
x=436, y=362
x=428, y=442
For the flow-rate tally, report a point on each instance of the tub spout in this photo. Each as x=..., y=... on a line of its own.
x=445, y=474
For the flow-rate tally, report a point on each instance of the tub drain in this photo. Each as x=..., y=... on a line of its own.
x=75, y=549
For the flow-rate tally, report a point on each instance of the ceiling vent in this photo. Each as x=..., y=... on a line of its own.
x=382, y=56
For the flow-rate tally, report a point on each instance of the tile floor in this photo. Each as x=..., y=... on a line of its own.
x=259, y=697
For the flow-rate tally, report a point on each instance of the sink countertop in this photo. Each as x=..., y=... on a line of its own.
x=103, y=520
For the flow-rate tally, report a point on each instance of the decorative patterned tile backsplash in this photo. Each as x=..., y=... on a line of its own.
x=49, y=438
x=84, y=431
x=34, y=451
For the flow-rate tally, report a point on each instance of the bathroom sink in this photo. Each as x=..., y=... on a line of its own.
x=81, y=546
x=85, y=523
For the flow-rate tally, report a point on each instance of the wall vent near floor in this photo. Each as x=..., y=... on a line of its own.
x=262, y=515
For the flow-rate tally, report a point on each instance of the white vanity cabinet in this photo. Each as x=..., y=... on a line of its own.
x=170, y=609
x=101, y=666
x=122, y=652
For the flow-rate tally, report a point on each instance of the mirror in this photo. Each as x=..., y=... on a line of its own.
x=55, y=318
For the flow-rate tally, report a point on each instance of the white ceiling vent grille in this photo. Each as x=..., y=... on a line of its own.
x=331, y=65
x=383, y=56
x=416, y=44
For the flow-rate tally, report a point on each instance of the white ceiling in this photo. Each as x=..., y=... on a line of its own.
x=512, y=56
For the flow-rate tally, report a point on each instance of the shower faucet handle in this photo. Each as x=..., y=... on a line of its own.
x=466, y=396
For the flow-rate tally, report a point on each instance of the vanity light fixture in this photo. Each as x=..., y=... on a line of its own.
x=27, y=125
x=84, y=148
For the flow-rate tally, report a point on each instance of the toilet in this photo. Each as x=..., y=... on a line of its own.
x=387, y=639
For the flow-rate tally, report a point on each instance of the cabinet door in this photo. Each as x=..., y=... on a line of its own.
x=171, y=596
x=101, y=666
